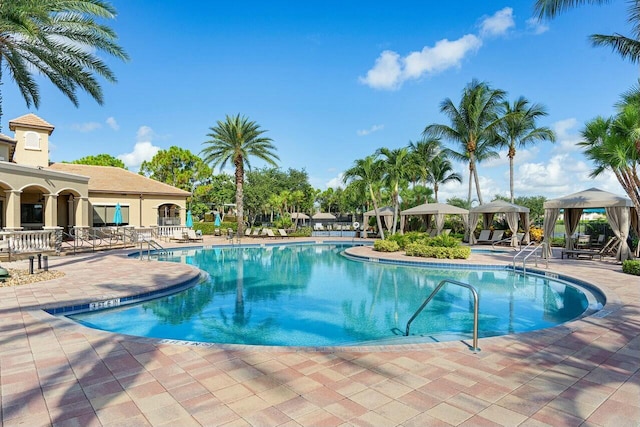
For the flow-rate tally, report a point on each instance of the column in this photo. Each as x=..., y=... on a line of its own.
x=82, y=212
x=13, y=221
x=50, y=211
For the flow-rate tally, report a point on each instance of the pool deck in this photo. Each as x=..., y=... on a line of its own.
x=55, y=372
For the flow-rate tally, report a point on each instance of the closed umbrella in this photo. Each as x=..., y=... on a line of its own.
x=217, y=221
x=117, y=215
x=189, y=220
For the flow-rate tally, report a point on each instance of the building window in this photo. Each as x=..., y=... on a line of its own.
x=31, y=214
x=103, y=215
x=31, y=141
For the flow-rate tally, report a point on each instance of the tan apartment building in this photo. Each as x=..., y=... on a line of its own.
x=36, y=195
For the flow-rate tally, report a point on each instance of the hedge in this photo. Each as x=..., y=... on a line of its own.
x=386, y=246
x=631, y=267
x=209, y=227
x=423, y=250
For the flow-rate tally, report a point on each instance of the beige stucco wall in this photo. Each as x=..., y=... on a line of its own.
x=143, y=210
x=31, y=156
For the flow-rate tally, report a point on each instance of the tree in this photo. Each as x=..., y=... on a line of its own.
x=440, y=171
x=627, y=47
x=178, y=167
x=236, y=140
x=422, y=154
x=396, y=168
x=367, y=173
x=473, y=127
x=100, y=160
x=58, y=39
x=518, y=128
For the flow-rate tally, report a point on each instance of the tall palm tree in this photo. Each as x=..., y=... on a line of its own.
x=397, y=168
x=627, y=47
x=58, y=39
x=422, y=154
x=236, y=140
x=367, y=172
x=473, y=127
x=441, y=172
x=518, y=128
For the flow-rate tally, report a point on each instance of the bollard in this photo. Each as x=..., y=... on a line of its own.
x=45, y=261
x=39, y=261
x=31, y=264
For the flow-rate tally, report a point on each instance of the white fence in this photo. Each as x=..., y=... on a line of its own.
x=16, y=242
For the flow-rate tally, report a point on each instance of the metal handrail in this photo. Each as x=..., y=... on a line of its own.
x=542, y=246
x=475, y=308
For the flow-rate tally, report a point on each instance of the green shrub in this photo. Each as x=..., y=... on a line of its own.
x=631, y=267
x=386, y=246
x=300, y=232
x=424, y=250
x=443, y=240
x=209, y=227
x=404, y=239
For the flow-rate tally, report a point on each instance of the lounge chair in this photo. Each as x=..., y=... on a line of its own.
x=484, y=237
x=269, y=232
x=583, y=242
x=282, y=233
x=191, y=235
x=179, y=236
x=247, y=232
x=496, y=236
x=609, y=249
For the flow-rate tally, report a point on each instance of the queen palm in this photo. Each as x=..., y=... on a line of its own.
x=440, y=171
x=518, y=129
x=236, y=140
x=627, y=47
x=473, y=127
x=367, y=173
x=57, y=39
x=397, y=168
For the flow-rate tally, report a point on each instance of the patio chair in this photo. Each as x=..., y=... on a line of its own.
x=607, y=250
x=283, y=233
x=191, y=235
x=178, y=236
x=247, y=232
x=583, y=242
x=269, y=233
x=484, y=237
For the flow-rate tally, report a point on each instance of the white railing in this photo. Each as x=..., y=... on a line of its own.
x=168, y=230
x=28, y=241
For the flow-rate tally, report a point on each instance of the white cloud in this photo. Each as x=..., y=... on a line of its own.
x=336, y=182
x=372, y=129
x=497, y=24
x=143, y=150
x=111, y=122
x=536, y=26
x=567, y=136
x=391, y=70
x=86, y=127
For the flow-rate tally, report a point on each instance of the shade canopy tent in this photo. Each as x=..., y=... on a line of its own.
x=323, y=216
x=299, y=215
x=514, y=214
x=618, y=211
x=385, y=213
x=437, y=211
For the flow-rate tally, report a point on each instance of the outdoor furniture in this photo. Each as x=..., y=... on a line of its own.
x=269, y=232
x=609, y=249
x=283, y=233
x=191, y=235
x=484, y=236
x=496, y=236
x=179, y=236
x=583, y=241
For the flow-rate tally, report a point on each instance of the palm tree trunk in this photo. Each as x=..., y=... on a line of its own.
x=470, y=187
x=240, y=195
x=511, y=179
x=475, y=178
x=375, y=208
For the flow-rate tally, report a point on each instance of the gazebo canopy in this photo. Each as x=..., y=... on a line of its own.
x=617, y=209
x=591, y=198
x=323, y=216
x=512, y=212
x=437, y=209
x=299, y=215
x=386, y=213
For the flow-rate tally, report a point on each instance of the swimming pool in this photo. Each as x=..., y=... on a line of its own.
x=310, y=295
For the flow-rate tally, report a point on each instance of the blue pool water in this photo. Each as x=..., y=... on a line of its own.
x=310, y=295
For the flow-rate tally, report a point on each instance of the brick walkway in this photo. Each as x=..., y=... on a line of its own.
x=54, y=372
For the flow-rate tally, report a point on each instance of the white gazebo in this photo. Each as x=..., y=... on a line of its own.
x=437, y=210
x=618, y=211
x=386, y=213
x=513, y=214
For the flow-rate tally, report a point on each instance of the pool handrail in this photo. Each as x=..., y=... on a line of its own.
x=542, y=246
x=474, y=292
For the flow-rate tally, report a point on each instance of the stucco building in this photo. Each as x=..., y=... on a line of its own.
x=35, y=194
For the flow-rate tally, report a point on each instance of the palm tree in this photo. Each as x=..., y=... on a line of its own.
x=473, y=127
x=58, y=39
x=397, y=168
x=368, y=173
x=441, y=172
x=628, y=48
x=422, y=154
x=236, y=140
x=519, y=129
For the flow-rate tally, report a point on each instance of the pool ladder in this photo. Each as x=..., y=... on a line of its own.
x=534, y=251
x=151, y=245
x=475, y=347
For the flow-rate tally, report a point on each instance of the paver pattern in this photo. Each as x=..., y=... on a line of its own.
x=55, y=372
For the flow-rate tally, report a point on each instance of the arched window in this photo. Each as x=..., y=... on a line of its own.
x=31, y=141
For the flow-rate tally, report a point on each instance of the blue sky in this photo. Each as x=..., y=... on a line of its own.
x=334, y=81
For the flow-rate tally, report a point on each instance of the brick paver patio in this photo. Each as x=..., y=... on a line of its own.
x=55, y=372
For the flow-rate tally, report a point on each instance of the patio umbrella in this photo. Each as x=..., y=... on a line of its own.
x=117, y=215
x=217, y=220
x=189, y=220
